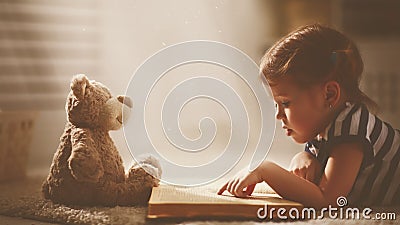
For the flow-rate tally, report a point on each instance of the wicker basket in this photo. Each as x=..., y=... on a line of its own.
x=16, y=130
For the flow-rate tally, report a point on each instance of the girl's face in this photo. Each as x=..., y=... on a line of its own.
x=302, y=111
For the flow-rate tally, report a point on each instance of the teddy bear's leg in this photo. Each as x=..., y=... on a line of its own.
x=146, y=174
x=147, y=168
x=68, y=191
x=135, y=190
x=124, y=194
x=137, y=194
x=45, y=190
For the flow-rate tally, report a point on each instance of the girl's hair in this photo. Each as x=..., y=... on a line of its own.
x=313, y=54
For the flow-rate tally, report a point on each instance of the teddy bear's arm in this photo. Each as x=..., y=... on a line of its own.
x=84, y=162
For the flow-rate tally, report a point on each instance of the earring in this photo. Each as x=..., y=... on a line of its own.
x=330, y=106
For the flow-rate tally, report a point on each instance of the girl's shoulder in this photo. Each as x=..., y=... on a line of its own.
x=354, y=120
x=356, y=124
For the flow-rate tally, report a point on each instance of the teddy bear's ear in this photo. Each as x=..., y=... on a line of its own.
x=78, y=85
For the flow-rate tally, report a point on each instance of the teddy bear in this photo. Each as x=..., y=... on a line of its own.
x=87, y=168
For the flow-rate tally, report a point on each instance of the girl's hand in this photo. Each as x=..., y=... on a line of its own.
x=305, y=166
x=242, y=184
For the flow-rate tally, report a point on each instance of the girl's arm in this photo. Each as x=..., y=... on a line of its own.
x=337, y=180
x=306, y=165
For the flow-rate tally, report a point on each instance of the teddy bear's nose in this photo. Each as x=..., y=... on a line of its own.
x=125, y=100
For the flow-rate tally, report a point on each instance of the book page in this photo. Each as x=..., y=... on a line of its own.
x=208, y=195
x=261, y=188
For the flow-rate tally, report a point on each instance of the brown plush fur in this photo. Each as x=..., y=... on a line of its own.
x=87, y=168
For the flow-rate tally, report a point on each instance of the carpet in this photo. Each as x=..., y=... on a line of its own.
x=23, y=199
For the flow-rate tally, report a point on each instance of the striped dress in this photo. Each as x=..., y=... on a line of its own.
x=378, y=181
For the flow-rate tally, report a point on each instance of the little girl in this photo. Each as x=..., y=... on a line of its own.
x=314, y=74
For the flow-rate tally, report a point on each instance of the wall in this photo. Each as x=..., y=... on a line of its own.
x=135, y=31
x=131, y=31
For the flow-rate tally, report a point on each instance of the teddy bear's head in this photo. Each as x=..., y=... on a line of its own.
x=90, y=104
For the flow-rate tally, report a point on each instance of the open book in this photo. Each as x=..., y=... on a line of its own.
x=168, y=201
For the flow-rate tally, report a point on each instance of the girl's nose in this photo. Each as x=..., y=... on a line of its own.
x=279, y=114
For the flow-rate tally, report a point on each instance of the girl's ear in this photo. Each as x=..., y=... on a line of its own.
x=332, y=93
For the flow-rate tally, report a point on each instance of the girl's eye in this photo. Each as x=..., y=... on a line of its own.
x=285, y=104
